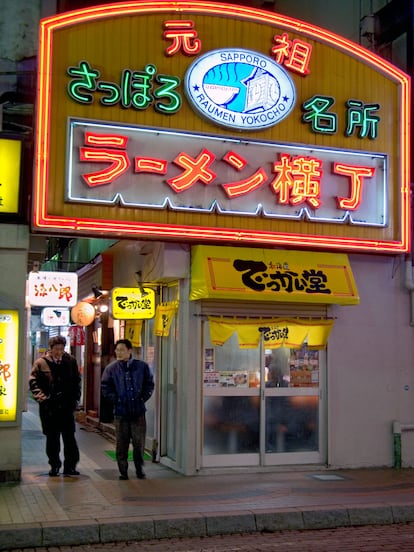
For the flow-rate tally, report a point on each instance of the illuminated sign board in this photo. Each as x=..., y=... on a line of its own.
x=10, y=162
x=55, y=317
x=240, y=89
x=9, y=362
x=132, y=303
x=189, y=137
x=54, y=289
x=348, y=187
x=271, y=275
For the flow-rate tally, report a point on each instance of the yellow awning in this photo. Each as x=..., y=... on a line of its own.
x=276, y=332
x=271, y=275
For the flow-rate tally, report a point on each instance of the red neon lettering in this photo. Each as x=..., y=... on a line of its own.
x=242, y=187
x=294, y=55
x=298, y=181
x=119, y=161
x=150, y=165
x=356, y=175
x=110, y=140
x=246, y=186
x=183, y=37
x=235, y=160
x=195, y=169
x=299, y=58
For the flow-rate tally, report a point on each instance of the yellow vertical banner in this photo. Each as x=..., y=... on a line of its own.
x=9, y=362
x=164, y=314
x=133, y=331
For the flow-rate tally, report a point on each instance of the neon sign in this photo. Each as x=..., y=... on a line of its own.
x=333, y=114
x=142, y=168
x=135, y=89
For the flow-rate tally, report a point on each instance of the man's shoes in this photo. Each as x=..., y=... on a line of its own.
x=54, y=472
x=71, y=472
x=123, y=477
x=141, y=475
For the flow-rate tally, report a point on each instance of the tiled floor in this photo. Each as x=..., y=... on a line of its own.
x=98, y=494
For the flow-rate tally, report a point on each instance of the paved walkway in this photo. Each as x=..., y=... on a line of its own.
x=97, y=507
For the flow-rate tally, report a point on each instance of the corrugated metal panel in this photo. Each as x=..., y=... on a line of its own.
x=92, y=276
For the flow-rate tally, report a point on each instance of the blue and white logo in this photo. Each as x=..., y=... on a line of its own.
x=240, y=89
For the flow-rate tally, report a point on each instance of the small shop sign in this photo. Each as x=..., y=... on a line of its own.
x=132, y=303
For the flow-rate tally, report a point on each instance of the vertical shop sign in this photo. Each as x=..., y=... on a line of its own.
x=9, y=334
x=10, y=156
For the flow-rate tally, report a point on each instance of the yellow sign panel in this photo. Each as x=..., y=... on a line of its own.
x=132, y=303
x=10, y=155
x=271, y=275
x=9, y=362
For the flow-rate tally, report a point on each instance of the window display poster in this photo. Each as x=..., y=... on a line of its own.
x=209, y=359
x=211, y=379
x=304, y=368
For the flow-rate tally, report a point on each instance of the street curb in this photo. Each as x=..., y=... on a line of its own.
x=82, y=532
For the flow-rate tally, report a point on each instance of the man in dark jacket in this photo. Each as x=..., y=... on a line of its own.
x=128, y=383
x=55, y=384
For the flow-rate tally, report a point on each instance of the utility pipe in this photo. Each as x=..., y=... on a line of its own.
x=397, y=429
x=409, y=284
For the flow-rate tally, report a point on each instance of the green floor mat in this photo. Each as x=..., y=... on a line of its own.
x=111, y=454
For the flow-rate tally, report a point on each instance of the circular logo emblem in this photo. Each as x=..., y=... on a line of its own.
x=240, y=89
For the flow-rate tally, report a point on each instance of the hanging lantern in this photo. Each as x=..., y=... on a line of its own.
x=83, y=313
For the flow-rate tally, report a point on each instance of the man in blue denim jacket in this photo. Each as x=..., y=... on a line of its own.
x=128, y=383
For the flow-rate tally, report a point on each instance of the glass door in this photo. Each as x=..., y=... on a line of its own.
x=260, y=406
x=231, y=404
x=292, y=386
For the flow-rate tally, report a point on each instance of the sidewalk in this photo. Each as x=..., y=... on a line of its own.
x=97, y=507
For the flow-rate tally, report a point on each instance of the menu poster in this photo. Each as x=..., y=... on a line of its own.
x=211, y=379
x=234, y=379
x=209, y=359
x=304, y=368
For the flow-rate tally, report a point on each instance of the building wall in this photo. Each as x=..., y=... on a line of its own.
x=370, y=368
x=340, y=17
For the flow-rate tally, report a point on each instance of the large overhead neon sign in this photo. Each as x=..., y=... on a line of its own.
x=291, y=43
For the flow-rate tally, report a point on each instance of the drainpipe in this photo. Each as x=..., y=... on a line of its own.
x=396, y=431
x=409, y=284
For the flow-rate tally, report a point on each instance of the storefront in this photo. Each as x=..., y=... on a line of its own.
x=237, y=181
x=265, y=326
